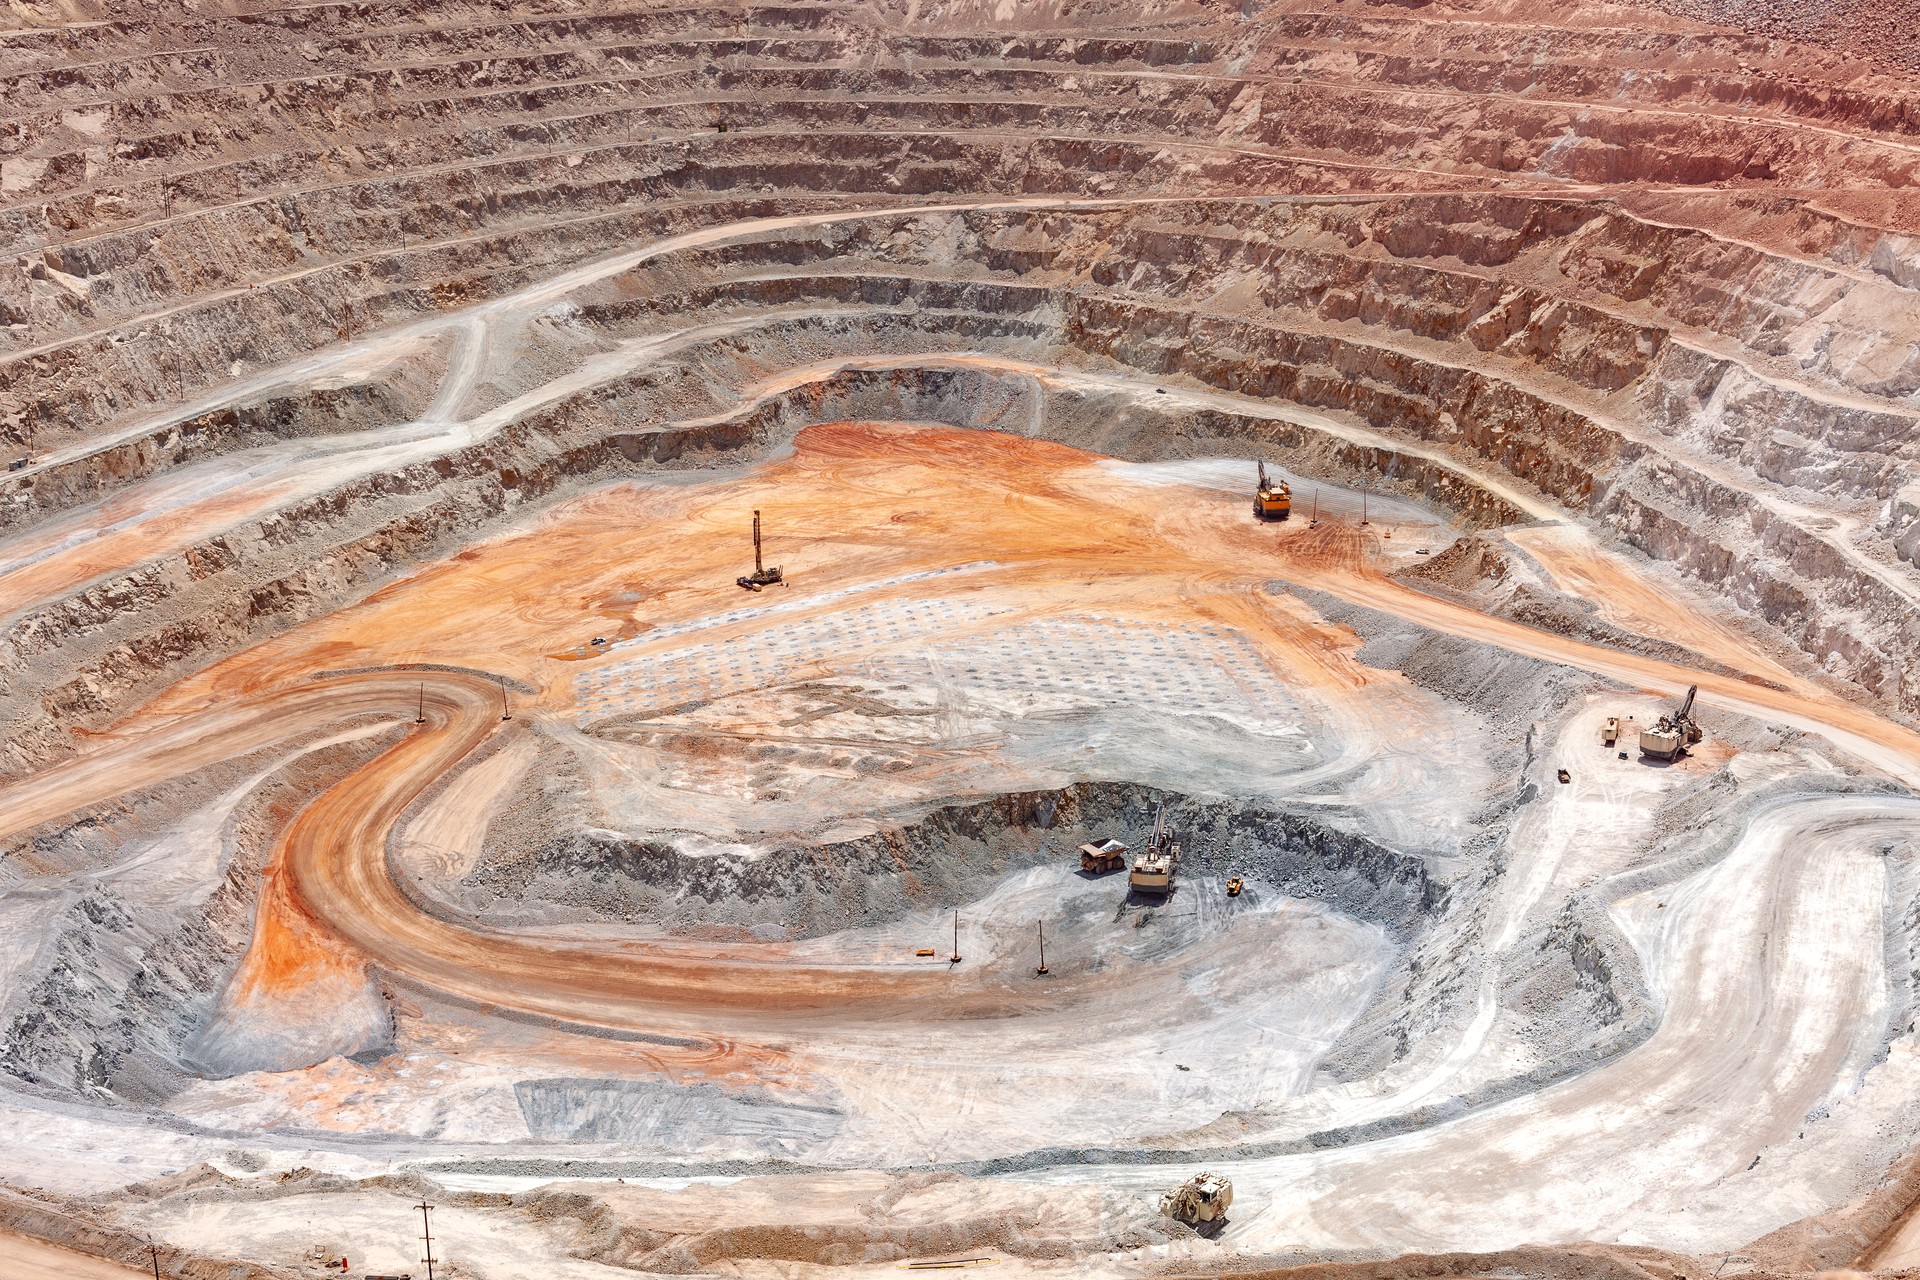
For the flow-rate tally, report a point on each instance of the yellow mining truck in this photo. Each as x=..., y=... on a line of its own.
x=1272, y=500
x=1103, y=856
x=1197, y=1200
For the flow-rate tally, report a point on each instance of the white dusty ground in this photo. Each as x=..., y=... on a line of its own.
x=1774, y=1008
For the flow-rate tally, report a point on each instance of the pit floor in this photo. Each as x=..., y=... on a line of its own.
x=1001, y=614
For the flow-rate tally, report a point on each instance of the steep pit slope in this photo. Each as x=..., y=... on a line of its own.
x=1662, y=274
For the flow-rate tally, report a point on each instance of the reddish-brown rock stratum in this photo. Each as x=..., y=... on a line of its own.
x=1886, y=32
x=437, y=350
x=196, y=203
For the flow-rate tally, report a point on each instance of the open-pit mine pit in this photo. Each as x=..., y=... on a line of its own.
x=420, y=813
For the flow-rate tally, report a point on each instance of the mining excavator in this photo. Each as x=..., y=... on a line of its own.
x=1670, y=736
x=762, y=576
x=1200, y=1199
x=1273, y=500
x=1154, y=866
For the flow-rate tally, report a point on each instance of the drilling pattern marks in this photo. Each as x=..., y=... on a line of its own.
x=1091, y=660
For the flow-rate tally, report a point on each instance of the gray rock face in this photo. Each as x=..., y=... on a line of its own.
x=657, y=1113
x=954, y=853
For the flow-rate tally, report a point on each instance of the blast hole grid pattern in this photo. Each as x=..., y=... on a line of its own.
x=1098, y=660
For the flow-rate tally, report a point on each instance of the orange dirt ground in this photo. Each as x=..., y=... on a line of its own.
x=1054, y=526
x=24, y=1258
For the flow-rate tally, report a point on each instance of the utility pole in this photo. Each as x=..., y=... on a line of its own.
x=1315, y=522
x=1042, y=927
x=153, y=1255
x=421, y=716
x=426, y=1233
x=506, y=712
x=955, y=957
x=1364, y=486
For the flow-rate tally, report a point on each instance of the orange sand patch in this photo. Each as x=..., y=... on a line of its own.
x=291, y=954
x=855, y=503
x=1629, y=601
x=53, y=575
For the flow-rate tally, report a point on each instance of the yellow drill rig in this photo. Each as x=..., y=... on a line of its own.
x=762, y=576
x=1273, y=500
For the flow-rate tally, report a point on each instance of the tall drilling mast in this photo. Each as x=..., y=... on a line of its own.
x=761, y=576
